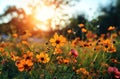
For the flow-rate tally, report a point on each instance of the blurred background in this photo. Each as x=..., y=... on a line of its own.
x=42, y=18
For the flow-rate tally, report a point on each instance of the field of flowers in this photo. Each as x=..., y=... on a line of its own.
x=89, y=57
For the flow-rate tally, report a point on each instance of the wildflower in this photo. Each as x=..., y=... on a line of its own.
x=115, y=72
x=15, y=35
x=43, y=57
x=81, y=25
x=83, y=71
x=66, y=61
x=2, y=49
x=104, y=64
x=58, y=41
x=57, y=51
x=90, y=35
x=74, y=52
x=59, y=59
x=114, y=35
x=76, y=41
x=114, y=60
x=24, y=65
x=28, y=55
x=84, y=30
x=25, y=43
x=111, y=28
x=112, y=49
x=69, y=31
x=13, y=57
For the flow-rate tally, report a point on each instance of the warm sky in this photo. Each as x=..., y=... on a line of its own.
x=90, y=7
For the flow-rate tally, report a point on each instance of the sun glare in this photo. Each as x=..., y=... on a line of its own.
x=45, y=13
x=41, y=27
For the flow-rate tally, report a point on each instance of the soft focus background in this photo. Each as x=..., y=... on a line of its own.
x=59, y=39
x=41, y=17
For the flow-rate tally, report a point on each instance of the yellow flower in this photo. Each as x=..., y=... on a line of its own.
x=28, y=55
x=112, y=49
x=43, y=57
x=58, y=41
x=24, y=65
x=13, y=57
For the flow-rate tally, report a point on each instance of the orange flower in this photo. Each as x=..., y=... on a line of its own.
x=112, y=49
x=28, y=55
x=13, y=57
x=84, y=30
x=24, y=65
x=114, y=60
x=111, y=28
x=69, y=31
x=15, y=35
x=2, y=49
x=81, y=25
x=58, y=51
x=58, y=41
x=43, y=58
x=59, y=59
x=83, y=71
x=25, y=43
x=66, y=61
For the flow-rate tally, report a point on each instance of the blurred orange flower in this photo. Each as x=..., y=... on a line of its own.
x=111, y=28
x=24, y=65
x=84, y=30
x=15, y=35
x=81, y=25
x=69, y=31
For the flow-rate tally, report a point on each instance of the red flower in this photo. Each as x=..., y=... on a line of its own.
x=74, y=52
x=115, y=71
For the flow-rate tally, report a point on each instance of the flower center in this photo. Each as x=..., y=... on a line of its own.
x=26, y=66
x=57, y=41
x=28, y=57
x=42, y=59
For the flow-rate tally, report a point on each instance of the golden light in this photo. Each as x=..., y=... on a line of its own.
x=49, y=17
x=43, y=15
x=42, y=27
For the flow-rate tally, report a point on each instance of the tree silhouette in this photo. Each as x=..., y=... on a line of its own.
x=111, y=17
